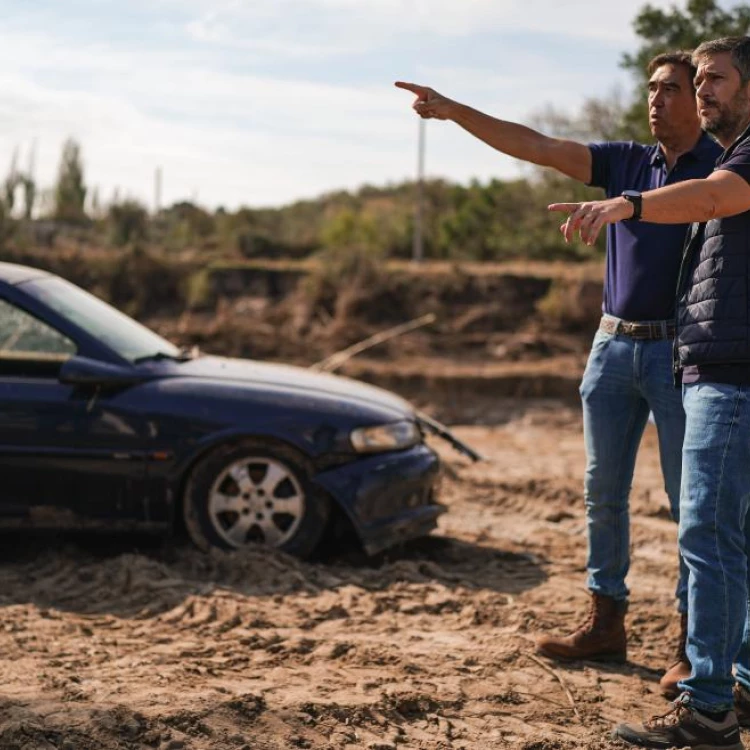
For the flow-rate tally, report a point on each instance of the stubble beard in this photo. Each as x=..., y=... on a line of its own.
x=729, y=121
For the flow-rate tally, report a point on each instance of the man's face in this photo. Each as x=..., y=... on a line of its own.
x=671, y=103
x=723, y=101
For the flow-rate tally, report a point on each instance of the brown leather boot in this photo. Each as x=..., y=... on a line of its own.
x=680, y=669
x=601, y=637
x=741, y=704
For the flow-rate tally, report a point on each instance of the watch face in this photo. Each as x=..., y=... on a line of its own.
x=635, y=198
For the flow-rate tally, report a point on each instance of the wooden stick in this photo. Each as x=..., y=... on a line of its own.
x=329, y=364
x=560, y=680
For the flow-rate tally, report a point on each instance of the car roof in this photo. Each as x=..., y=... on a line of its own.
x=12, y=273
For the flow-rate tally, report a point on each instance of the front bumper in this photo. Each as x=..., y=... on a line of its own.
x=389, y=497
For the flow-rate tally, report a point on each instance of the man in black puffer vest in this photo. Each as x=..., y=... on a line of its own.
x=712, y=357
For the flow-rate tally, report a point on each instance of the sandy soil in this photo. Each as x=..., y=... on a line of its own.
x=431, y=647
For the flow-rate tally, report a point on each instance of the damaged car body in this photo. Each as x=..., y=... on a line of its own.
x=105, y=424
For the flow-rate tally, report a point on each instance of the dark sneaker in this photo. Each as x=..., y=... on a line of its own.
x=683, y=726
x=742, y=704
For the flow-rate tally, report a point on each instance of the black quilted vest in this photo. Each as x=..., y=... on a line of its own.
x=713, y=299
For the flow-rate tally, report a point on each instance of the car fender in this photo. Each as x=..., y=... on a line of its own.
x=364, y=490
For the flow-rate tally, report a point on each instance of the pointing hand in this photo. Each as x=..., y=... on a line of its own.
x=428, y=104
x=588, y=219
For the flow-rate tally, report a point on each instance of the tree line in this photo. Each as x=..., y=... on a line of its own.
x=492, y=221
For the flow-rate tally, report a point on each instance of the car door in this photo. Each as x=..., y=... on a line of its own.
x=69, y=456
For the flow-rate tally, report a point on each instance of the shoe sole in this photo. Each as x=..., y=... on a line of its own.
x=736, y=746
x=617, y=658
x=645, y=743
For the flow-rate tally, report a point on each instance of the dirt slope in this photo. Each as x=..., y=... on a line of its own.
x=102, y=647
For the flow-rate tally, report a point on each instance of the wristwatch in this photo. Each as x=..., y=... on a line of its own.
x=636, y=199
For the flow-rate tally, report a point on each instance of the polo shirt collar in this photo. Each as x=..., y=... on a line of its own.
x=657, y=157
x=705, y=147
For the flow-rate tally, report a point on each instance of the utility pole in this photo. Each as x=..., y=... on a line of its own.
x=29, y=184
x=157, y=190
x=418, y=246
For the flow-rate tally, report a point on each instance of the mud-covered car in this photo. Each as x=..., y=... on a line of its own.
x=105, y=424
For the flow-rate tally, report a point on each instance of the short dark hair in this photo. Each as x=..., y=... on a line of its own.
x=737, y=46
x=678, y=57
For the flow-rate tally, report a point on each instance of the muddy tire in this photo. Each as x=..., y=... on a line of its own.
x=255, y=492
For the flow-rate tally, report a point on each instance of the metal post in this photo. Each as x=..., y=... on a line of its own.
x=418, y=247
x=157, y=190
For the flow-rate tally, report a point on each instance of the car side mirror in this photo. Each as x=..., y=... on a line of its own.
x=92, y=372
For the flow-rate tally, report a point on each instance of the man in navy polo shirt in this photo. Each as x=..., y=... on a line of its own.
x=629, y=371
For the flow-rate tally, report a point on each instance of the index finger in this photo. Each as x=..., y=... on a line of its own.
x=420, y=91
x=566, y=208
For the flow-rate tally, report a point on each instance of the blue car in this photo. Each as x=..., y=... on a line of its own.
x=104, y=424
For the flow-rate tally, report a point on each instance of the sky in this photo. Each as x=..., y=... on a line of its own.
x=264, y=102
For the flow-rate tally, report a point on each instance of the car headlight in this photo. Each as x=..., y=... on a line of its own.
x=385, y=437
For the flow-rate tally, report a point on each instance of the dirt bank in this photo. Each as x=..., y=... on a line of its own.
x=103, y=646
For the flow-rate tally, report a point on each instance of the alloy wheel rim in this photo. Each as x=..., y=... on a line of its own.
x=256, y=499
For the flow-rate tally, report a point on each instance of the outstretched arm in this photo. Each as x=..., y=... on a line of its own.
x=722, y=193
x=568, y=157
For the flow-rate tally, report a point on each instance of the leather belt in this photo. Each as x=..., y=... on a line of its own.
x=651, y=330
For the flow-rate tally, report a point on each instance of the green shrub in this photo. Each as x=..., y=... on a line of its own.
x=200, y=293
x=127, y=222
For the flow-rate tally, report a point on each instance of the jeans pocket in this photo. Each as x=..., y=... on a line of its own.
x=596, y=360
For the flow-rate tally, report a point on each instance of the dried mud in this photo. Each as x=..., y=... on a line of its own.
x=428, y=647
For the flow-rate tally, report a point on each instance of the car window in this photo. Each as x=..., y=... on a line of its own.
x=24, y=336
x=116, y=330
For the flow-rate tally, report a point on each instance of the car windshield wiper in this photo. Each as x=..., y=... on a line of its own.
x=186, y=353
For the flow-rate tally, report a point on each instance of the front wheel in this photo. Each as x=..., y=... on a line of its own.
x=255, y=492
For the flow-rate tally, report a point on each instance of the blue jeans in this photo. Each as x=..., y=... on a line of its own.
x=623, y=381
x=715, y=538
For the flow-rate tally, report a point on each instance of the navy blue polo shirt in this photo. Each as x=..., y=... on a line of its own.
x=643, y=259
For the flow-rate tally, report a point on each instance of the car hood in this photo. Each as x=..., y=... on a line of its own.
x=255, y=373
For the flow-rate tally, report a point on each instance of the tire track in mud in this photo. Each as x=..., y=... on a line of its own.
x=233, y=619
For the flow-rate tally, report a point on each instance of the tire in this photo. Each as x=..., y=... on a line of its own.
x=255, y=491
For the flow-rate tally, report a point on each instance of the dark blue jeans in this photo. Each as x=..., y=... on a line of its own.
x=623, y=381
x=715, y=538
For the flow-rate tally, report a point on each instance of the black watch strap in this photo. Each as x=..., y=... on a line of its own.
x=636, y=199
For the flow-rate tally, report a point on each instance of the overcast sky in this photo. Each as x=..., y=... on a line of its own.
x=262, y=102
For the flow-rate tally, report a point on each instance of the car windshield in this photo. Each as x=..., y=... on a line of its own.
x=114, y=329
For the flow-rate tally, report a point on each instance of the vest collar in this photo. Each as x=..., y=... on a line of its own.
x=740, y=138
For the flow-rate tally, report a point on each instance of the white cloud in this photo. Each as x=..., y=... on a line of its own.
x=367, y=24
x=231, y=138
x=219, y=122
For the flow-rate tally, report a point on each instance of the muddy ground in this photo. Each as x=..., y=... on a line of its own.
x=131, y=643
